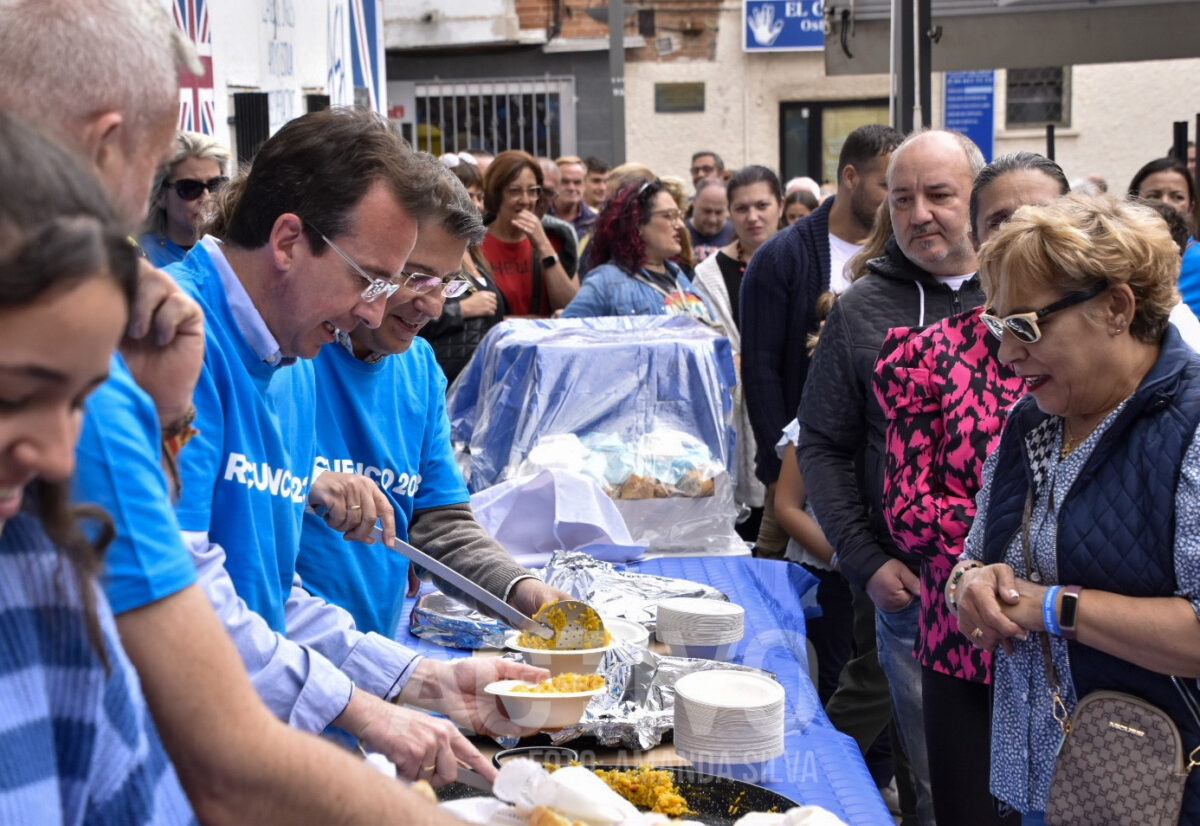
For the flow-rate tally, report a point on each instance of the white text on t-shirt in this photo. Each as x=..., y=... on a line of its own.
x=406, y=484
x=260, y=475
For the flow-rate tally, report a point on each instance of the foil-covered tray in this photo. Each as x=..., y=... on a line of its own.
x=638, y=706
x=626, y=594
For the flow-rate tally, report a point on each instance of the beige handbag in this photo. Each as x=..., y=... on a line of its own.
x=1122, y=760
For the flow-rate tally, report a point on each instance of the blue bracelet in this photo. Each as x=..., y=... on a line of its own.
x=1049, y=615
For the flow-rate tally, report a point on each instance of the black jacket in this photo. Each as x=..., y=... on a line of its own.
x=778, y=302
x=841, y=424
x=455, y=338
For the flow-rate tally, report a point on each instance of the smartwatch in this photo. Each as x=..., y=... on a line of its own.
x=1068, y=614
x=549, y=261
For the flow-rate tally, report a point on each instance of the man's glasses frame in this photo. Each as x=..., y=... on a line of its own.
x=1024, y=326
x=416, y=282
x=189, y=189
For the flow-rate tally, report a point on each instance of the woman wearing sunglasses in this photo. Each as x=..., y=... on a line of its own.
x=184, y=194
x=1082, y=566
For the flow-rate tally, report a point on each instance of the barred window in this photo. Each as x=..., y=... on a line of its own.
x=1037, y=97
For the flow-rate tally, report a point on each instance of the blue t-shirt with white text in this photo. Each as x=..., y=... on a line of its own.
x=386, y=420
x=246, y=475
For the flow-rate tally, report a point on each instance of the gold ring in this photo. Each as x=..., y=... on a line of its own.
x=429, y=768
x=977, y=633
x=356, y=507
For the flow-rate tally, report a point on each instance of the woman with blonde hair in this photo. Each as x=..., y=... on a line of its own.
x=1082, y=567
x=183, y=199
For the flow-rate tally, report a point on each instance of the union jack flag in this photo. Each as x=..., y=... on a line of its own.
x=196, y=97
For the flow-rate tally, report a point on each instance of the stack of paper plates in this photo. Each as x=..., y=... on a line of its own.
x=731, y=717
x=694, y=621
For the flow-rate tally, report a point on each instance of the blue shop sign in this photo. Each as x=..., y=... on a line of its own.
x=970, y=107
x=783, y=25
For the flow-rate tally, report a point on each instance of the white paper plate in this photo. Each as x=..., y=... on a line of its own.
x=729, y=689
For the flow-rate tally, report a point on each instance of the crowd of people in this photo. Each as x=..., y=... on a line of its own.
x=966, y=401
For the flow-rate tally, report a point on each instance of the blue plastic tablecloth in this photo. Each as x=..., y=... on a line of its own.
x=821, y=766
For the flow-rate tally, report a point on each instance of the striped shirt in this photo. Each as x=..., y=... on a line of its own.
x=77, y=745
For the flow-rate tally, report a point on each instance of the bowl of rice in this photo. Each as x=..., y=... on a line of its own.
x=553, y=703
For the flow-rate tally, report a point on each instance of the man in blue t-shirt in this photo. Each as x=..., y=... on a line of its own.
x=236, y=761
x=315, y=237
x=382, y=414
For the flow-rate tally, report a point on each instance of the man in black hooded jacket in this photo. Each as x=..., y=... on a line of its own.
x=927, y=273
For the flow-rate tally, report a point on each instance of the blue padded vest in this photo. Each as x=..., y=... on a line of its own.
x=1116, y=528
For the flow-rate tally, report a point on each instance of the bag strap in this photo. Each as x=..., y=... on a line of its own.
x=1058, y=707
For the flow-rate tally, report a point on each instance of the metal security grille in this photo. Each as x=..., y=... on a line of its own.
x=1037, y=97
x=533, y=114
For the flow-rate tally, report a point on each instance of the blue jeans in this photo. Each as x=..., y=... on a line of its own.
x=896, y=634
x=1033, y=819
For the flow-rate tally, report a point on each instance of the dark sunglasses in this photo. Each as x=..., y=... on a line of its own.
x=189, y=189
x=1025, y=325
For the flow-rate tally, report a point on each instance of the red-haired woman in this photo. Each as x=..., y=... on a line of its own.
x=532, y=259
x=636, y=235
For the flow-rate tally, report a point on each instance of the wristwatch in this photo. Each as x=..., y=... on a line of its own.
x=1068, y=614
x=549, y=261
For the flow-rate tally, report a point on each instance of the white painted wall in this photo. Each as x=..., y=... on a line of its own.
x=1121, y=113
x=1121, y=117
x=420, y=23
x=742, y=96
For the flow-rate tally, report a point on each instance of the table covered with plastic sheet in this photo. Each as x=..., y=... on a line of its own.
x=820, y=766
x=619, y=377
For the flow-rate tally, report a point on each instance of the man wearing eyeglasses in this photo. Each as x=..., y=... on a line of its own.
x=706, y=164
x=315, y=242
x=382, y=415
x=927, y=272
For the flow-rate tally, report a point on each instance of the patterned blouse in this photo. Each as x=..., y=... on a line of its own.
x=945, y=394
x=1025, y=736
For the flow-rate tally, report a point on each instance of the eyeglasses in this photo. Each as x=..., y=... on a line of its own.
x=672, y=215
x=189, y=189
x=421, y=283
x=517, y=192
x=1025, y=325
x=417, y=282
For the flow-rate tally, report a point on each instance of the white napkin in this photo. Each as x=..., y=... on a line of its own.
x=534, y=516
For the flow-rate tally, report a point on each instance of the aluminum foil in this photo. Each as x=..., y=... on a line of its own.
x=638, y=706
x=445, y=621
x=614, y=593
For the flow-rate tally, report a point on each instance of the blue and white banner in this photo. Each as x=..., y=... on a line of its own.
x=783, y=25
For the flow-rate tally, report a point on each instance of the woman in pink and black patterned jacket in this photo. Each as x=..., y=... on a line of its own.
x=945, y=394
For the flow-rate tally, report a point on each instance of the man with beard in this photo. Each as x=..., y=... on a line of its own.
x=786, y=276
